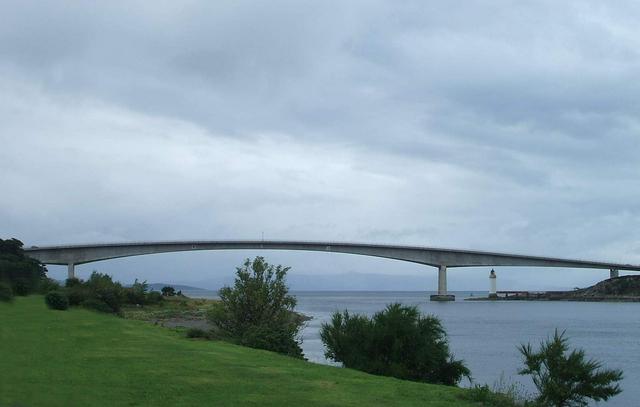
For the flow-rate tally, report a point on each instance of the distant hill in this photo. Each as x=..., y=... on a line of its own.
x=625, y=286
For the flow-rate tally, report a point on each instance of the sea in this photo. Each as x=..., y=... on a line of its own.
x=486, y=334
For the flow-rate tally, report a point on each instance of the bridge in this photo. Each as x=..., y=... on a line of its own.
x=442, y=259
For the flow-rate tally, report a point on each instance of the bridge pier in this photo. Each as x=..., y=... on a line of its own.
x=613, y=273
x=71, y=272
x=442, y=286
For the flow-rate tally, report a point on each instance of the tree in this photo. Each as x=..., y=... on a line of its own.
x=21, y=272
x=168, y=291
x=101, y=289
x=137, y=293
x=258, y=311
x=397, y=341
x=567, y=380
x=6, y=294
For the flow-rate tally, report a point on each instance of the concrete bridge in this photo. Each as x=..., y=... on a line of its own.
x=442, y=259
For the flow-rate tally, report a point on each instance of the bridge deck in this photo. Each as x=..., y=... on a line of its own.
x=437, y=257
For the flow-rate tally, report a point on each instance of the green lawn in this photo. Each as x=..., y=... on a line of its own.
x=82, y=358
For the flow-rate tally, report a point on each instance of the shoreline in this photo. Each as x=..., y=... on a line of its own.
x=558, y=298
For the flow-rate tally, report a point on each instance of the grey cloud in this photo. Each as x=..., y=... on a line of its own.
x=499, y=126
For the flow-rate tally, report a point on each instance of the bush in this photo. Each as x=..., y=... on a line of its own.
x=168, y=291
x=21, y=272
x=397, y=342
x=76, y=292
x=98, y=305
x=48, y=284
x=491, y=397
x=258, y=311
x=57, y=300
x=567, y=380
x=197, y=333
x=102, y=288
x=23, y=287
x=72, y=282
x=137, y=293
x=102, y=294
x=154, y=297
x=6, y=293
x=77, y=295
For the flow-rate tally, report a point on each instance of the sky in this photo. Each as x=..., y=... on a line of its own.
x=509, y=126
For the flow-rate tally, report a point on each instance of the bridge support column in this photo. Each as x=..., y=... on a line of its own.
x=442, y=286
x=71, y=272
x=613, y=273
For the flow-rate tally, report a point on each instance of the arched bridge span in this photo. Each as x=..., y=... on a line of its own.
x=442, y=259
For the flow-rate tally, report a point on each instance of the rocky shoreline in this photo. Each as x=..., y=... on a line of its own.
x=617, y=289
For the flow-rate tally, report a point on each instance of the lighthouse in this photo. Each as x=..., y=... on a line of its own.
x=492, y=285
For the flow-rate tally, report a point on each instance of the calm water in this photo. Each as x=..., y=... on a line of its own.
x=486, y=334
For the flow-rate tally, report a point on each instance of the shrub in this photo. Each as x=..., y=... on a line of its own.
x=258, y=311
x=98, y=305
x=490, y=397
x=72, y=282
x=21, y=272
x=6, y=293
x=22, y=287
x=168, y=291
x=101, y=287
x=154, y=297
x=197, y=333
x=102, y=294
x=137, y=293
x=567, y=380
x=397, y=341
x=48, y=284
x=57, y=300
x=77, y=295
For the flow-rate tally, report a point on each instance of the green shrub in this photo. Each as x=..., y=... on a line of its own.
x=21, y=272
x=101, y=287
x=98, y=305
x=77, y=295
x=102, y=294
x=22, y=287
x=48, y=284
x=397, y=341
x=153, y=297
x=6, y=293
x=168, y=291
x=197, y=333
x=137, y=293
x=258, y=311
x=567, y=379
x=57, y=300
x=488, y=397
x=72, y=282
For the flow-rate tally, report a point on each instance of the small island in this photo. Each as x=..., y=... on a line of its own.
x=617, y=289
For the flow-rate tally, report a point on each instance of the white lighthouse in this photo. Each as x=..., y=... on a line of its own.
x=492, y=285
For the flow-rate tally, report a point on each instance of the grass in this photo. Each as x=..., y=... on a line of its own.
x=171, y=307
x=82, y=358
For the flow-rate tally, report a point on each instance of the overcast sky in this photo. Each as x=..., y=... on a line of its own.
x=500, y=125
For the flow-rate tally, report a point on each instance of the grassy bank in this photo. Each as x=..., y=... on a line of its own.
x=78, y=357
x=183, y=308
